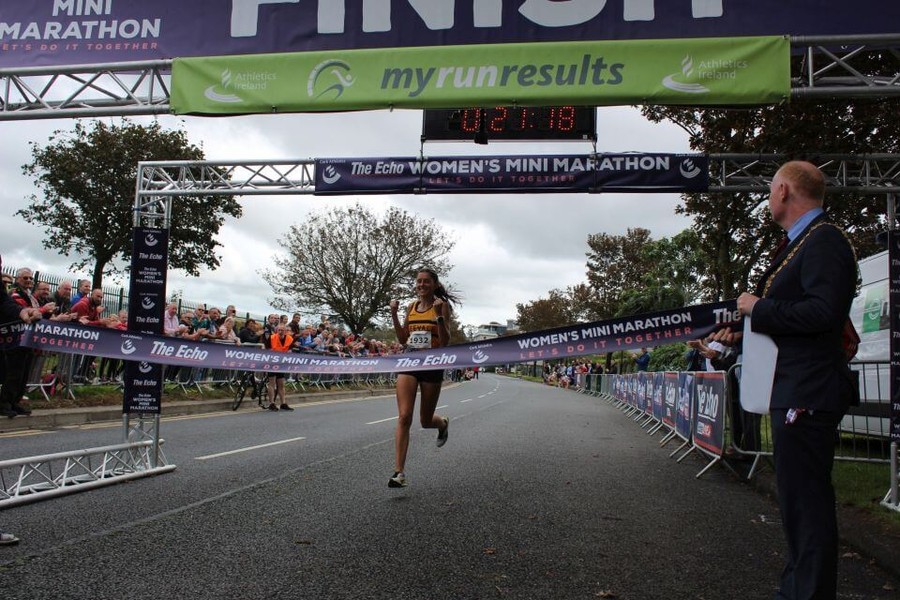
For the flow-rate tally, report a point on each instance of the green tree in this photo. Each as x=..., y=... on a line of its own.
x=736, y=231
x=668, y=358
x=545, y=313
x=350, y=262
x=673, y=279
x=87, y=177
x=616, y=263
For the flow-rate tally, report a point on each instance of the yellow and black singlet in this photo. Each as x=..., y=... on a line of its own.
x=423, y=328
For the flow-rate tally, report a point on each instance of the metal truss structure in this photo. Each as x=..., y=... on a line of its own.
x=825, y=67
x=160, y=181
x=860, y=174
x=831, y=67
x=25, y=480
x=226, y=178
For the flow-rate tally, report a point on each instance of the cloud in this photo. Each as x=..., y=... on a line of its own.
x=511, y=248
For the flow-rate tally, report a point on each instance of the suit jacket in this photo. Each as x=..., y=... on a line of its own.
x=9, y=308
x=804, y=311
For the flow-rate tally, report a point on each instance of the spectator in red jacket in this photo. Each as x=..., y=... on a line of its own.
x=90, y=308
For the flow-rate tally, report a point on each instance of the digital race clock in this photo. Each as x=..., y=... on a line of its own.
x=511, y=123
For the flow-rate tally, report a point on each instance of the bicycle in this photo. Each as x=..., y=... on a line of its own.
x=250, y=380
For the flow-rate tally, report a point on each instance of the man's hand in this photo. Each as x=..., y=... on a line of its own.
x=726, y=336
x=30, y=315
x=745, y=303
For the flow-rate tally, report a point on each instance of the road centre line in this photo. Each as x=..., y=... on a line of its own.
x=248, y=449
x=466, y=400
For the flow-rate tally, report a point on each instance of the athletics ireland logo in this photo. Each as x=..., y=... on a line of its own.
x=254, y=82
x=687, y=72
x=332, y=71
x=213, y=94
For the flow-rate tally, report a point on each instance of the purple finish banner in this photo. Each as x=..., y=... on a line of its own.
x=67, y=32
x=645, y=173
x=626, y=333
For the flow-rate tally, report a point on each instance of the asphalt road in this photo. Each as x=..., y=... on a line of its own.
x=539, y=493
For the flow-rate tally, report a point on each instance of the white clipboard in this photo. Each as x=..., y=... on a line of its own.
x=757, y=370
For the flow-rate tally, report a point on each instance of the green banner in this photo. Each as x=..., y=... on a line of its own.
x=705, y=71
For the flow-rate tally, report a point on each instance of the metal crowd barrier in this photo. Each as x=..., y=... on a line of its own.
x=54, y=374
x=892, y=498
x=863, y=435
x=24, y=480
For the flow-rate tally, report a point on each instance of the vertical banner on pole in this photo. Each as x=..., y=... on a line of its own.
x=146, y=303
x=894, y=295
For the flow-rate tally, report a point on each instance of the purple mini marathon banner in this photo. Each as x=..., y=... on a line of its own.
x=644, y=173
x=625, y=333
x=83, y=32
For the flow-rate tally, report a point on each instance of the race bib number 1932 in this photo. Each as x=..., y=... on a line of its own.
x=419, y=340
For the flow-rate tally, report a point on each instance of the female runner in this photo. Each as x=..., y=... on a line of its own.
x=427, y=325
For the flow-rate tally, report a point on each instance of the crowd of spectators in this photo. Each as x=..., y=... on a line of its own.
x=86, y=306
x=565, y=374
x=202, y=324
x=78, y=302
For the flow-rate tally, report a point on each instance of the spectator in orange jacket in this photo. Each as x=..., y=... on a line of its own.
x=281, y=342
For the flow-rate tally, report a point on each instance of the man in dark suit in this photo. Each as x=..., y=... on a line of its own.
x=10, y=311
x=802, y=302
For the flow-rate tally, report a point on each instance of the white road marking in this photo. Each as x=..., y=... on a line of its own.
x=466, y=400
x=249, y=448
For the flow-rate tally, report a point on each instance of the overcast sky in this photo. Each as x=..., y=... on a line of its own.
x=510, y=248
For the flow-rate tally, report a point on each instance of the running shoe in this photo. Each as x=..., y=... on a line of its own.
x=443, y=433
x=285, y=407
x=272, y=407
x=8, y=539
x=397, y=480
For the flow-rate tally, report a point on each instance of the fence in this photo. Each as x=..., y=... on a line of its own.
x=61, y=375
x=674, y=403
